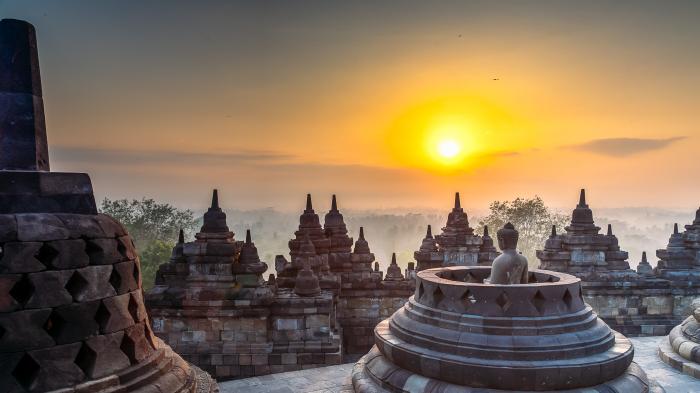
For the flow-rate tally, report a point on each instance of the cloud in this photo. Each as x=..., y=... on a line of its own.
x=623, y=147
x=83, y=155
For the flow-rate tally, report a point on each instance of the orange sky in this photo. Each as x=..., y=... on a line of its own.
x=269, y=101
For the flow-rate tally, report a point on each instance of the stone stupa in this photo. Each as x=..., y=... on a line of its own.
x=458, y=334
x=72, y=316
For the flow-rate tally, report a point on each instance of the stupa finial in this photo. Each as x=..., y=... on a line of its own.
x=582, y=198
x=309, y=206
x=393, y=258
x=247, y=237
x=554, y=231
x=644, y=257
x=362, y=233
x=610, y=232
x=181, y=236
x=429, y=233
x=334, y=204
x=215, y=199
x=675, y=228
x=458, y=203
x=23, y=144
x=486, y=230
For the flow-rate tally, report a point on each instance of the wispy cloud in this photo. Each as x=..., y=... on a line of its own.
x=85, y=155
x=623, y=147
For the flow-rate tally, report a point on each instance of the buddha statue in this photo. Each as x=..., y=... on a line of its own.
x=509, y=267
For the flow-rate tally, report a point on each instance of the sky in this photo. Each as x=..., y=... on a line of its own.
x=390, y=105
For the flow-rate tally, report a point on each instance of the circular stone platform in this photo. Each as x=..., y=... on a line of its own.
x=461, y=335
x=682, y=350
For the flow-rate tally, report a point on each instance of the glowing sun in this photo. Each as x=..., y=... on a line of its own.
x=448, y=148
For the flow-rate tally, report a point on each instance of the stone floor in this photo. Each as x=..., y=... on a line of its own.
x=336, y=379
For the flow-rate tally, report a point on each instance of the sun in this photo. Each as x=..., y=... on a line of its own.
x=448, y=148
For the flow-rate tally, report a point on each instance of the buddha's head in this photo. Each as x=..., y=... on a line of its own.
x=507, y=237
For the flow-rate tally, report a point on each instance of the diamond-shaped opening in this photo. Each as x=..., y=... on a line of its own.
x=134, y=308
x=503, y=301
x=86, y=359
x=121, y=248
x=102, y=316
x=438, y=296
x=421, y=291
x=22, y=291
x=95, y=253
x=77, y=285
x=54, y=325
x=468, y=299
x=568, y=299
x=25, y=371
x=539, y=302
x=46, y=255
x=115, y=279
x=128, y=346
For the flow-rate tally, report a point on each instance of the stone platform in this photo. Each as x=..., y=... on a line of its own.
x=336, y=379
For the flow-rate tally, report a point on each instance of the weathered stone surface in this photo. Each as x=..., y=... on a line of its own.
x=56, y=264
x=632, y=302
x=459, y=334
x=456, y=245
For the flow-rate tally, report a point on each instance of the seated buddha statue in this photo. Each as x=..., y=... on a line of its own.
x=510, y=267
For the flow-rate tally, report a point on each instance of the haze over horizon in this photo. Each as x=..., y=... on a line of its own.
x=388, y=105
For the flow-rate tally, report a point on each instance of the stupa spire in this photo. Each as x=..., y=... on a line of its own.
x=309, y=206
x=334, y=204
x=23, y=144
x=582, y=198
x=429, y=233
x=486, y=230
x=458, y=203
x=610, y=232
x=644, y=257
x=554, y=231
x=675, y=228
x=362, y=233
x=215, y=199
x=247, y=237
x=181, y=236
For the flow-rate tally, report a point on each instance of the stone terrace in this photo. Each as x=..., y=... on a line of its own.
x=336, y=379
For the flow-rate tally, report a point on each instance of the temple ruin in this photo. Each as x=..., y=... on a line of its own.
x=211, y=304
x=643, y=302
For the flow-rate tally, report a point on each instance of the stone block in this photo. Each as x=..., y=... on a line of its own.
x=102, y=355
x=33, y=227
x=24, y=330
x=8, y=228
x=21, y=257
x=69, y=254
x=114, y=314
x=49, y=289
x=104, y=251
x=73, y=322
x=91, y=283
x=55, y=367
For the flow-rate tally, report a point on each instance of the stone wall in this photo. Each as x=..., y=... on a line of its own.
x=360, y=312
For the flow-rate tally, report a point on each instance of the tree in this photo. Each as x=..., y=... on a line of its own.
x=153, y=226
x=531, y=218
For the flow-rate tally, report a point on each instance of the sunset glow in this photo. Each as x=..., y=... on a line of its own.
x=411, y=102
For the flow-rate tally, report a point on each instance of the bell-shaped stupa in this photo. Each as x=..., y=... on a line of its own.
x=72, y=315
